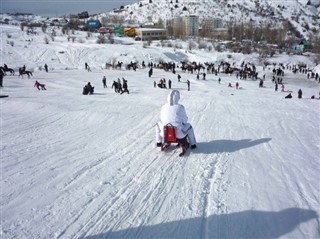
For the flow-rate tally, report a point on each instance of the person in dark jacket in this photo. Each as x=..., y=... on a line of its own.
x=46, y=67
x=115, y=85
x=150, y=72
x=124, y=86
x=299, y=93
x=288, y=96
x=179, y=78
x=188, y=83
x=1, y=77
x=88, y=89
x=104, y=82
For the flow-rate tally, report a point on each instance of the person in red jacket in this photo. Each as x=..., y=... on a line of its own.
x=39, y=86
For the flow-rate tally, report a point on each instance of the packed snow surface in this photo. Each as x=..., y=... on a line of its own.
x=87, y=166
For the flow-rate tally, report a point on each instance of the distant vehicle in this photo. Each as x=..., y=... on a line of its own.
x=104, y=30
x=129, y=31
x=83, y=15
x=246, y=42
x=95, y=24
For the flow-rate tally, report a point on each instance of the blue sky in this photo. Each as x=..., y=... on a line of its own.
x=61, y=7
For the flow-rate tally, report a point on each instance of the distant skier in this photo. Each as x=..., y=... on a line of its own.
x=299, y=93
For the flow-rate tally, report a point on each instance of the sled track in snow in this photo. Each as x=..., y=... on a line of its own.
x=105, y=208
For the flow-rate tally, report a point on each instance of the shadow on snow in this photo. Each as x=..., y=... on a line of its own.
x=246, y=225
x=228, y=146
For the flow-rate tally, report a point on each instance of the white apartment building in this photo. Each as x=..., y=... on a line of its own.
x=192, y=25
x=187, y=25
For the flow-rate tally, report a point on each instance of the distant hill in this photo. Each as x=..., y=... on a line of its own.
x=303, y=15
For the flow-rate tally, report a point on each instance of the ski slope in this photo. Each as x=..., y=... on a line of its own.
x=78, y=166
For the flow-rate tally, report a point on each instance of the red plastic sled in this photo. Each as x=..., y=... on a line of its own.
x=169, y=137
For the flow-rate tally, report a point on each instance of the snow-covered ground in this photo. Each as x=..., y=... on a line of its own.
x=75, y=166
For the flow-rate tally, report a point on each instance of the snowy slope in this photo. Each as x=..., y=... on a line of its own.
x=75, y=166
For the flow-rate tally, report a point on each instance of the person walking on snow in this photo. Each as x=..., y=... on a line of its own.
x=104, y=82
x=46, y=67
x=174, y=113
x=150, y=72
x=124, y=86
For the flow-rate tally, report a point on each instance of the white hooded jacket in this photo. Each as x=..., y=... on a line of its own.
x=175, y=114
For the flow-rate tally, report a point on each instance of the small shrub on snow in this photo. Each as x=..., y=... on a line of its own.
x=202, y=45
x=101, y=39
x=191, y=45
x=11, y=43
x=111, y=38
x=44, y=28
x=46, y=40
x=178, y=45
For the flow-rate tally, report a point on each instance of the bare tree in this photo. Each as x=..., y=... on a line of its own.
x=179, y=29
x=159, y=24
x=206, y=28
x=101, y=39
x=191, y=44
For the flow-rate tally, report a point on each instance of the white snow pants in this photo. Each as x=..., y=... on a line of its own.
x=186, y=129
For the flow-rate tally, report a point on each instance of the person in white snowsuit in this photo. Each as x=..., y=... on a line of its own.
x=175, y=114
